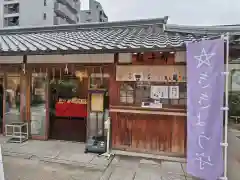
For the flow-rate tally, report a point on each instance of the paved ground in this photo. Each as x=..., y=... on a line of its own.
x=62, y=152
x=233, y=155
x=121, y=168
x=25, y=169
x=130, y=168
x=50, y=160
x=56, y=160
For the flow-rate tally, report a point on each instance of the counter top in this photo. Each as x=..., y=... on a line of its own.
x=149, y=109
x=144, y=110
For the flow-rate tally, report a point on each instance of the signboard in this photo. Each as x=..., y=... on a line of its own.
x=71, y=108
x=174, y=92
x=38, y=119
x=97, y=100
x=205, y=64
x=159, y=92
x=37, y=123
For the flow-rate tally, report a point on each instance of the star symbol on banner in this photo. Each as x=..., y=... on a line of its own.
x=204, y=58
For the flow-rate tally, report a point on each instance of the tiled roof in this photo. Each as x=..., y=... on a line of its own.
x=208, y=31
x=125, y=36
x=211, y=30
x=83, y=38
x=91, y=38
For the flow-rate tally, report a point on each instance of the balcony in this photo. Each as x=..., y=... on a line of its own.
x=10, y=1
x=70, y=6
x=64, y=9
x=11, y=21
x=11, y=8
x=102, y=16
x=60, y=14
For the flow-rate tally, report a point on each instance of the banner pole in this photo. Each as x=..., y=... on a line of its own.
x=2, y=177
x=225, y=142
x=108, y=154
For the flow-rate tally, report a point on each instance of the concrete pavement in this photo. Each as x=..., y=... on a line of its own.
x=121, y=168
x=62, y=152
x=33, y=169
x=233, y=154
x=50, y=160
x=133, y=168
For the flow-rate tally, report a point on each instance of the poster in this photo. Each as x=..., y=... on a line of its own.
x=159, y=92
x=174, y=92
x=97, y=102
x=38, y=117
x=36, y=125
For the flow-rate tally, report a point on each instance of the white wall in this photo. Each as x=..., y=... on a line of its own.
x=94, y=7
x=35, y=10
x=1, y=14
x=31, y=12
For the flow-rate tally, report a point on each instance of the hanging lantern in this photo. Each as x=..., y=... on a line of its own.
x=53, y=76
x=24, y=68
x=66, y=69
x=72, y=70
x=101, y=73
x=46, y=73
x=60, y=76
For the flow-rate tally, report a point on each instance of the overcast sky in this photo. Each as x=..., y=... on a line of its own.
x=194, y=12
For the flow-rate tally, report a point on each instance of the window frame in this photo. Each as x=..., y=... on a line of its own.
x=44, y=16
x=167, y=102
x=121, y=88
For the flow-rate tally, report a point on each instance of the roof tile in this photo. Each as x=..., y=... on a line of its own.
x=145, y=34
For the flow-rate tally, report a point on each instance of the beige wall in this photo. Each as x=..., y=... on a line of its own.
x=11, y=59
x=74, y=58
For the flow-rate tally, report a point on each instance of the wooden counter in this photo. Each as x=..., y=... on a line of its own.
x=147, y=111
x=148, y=130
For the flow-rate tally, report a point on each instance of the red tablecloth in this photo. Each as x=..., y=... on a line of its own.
x=71, y=110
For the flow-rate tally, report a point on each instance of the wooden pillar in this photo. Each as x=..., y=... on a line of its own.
x=23, y=89
x=4, y=101
x=113, y=84
x=113, y=93
x=47, y=120
x=28, y=80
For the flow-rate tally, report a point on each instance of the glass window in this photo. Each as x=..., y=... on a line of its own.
x=12, y=94
x=126, y=94
x=142, y=94
x=38, y=100
x=44, y=16
x=136, y=93
x=38, y=97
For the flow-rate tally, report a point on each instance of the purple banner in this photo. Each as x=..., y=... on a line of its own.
x=205, y=82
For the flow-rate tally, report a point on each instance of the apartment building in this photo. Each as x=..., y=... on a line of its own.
x=38, y=12
x=95, y=13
